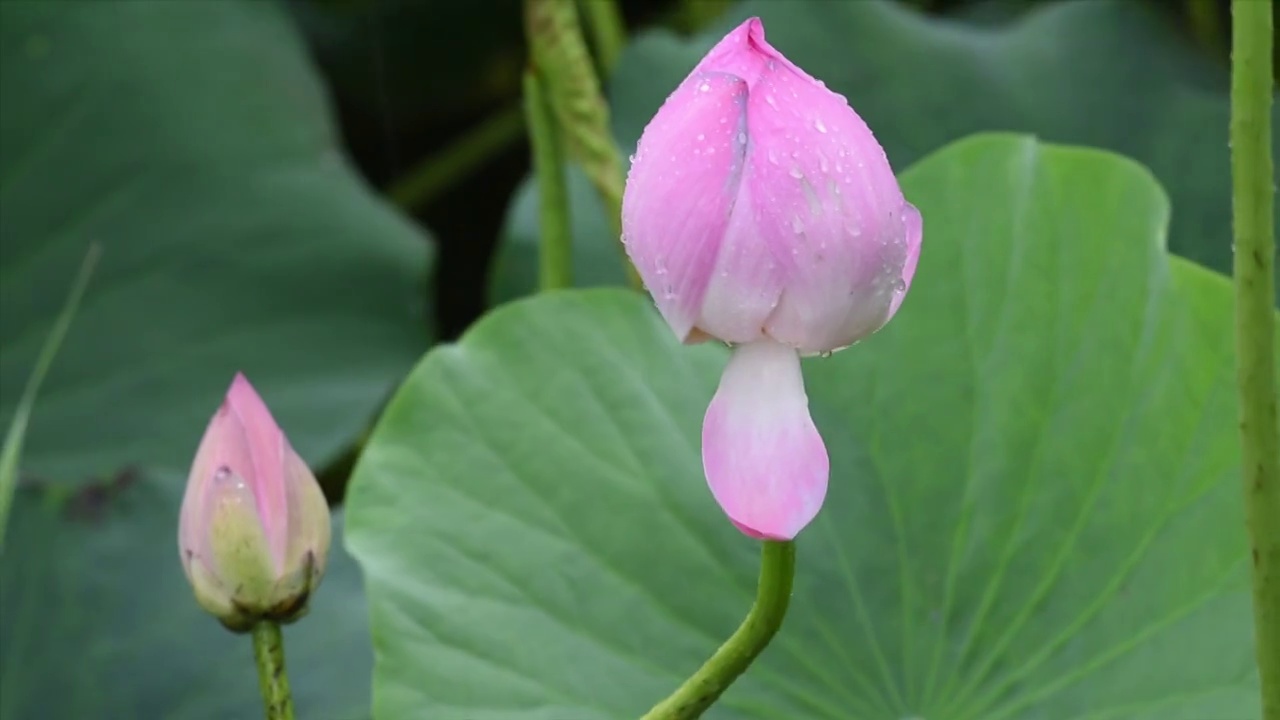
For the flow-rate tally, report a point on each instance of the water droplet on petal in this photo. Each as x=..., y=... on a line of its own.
x=817, y=124
x=704, y=87
x=701, y=137
x=899, y=285
x=795, y=173
x=824, y=354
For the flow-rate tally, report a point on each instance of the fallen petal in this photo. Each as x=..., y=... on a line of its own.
x=764, y=460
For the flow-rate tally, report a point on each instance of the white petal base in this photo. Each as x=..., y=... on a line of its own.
x=764, y=460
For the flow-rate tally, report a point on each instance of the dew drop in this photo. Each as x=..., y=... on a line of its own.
x=817, y=124
x=797, y=225
x=811, y=196
x=795, y=173
x=772, y=103
x=701, y=137
x=824, y=354
x=704, y=87
x=899, y=285
x=742, y=138
x=773, y=156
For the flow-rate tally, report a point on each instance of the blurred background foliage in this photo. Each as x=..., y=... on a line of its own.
x=411, y=79
x=315, y=191
x=422, y=100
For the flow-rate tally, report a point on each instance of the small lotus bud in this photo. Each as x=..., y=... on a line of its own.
x=254, y=526
x=760, y=210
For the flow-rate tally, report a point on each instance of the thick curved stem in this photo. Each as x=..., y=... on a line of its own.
x=704, y=687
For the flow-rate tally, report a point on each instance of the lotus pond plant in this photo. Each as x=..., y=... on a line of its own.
x=1000, y=475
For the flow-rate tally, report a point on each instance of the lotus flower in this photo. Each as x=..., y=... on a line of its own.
x=760, y=211
x=254, y=526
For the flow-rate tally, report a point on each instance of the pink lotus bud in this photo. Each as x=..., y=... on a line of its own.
x=254, y=525
x=761, y=211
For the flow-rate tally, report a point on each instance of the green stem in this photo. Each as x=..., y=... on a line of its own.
x=777, y=570
x=273, y=681
x=608, y=31
x=572, y=89
x=461, y=158
x=555, y=245
x=1255, y=251
x=11, y=450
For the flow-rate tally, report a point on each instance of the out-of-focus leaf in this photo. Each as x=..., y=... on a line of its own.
x=98, y=621
x=191, y=140
x=1034, y=509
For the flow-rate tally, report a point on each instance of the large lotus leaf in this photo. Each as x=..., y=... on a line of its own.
x=99, y=622
x=1107, y=73
x=1033, y=515
x=192, y=142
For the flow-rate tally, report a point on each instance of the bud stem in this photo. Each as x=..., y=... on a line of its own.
x=608, y=31
x=555, y=241
x=273, y=681
x=704, y=687
x=560, y=57
x=1255, y=255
